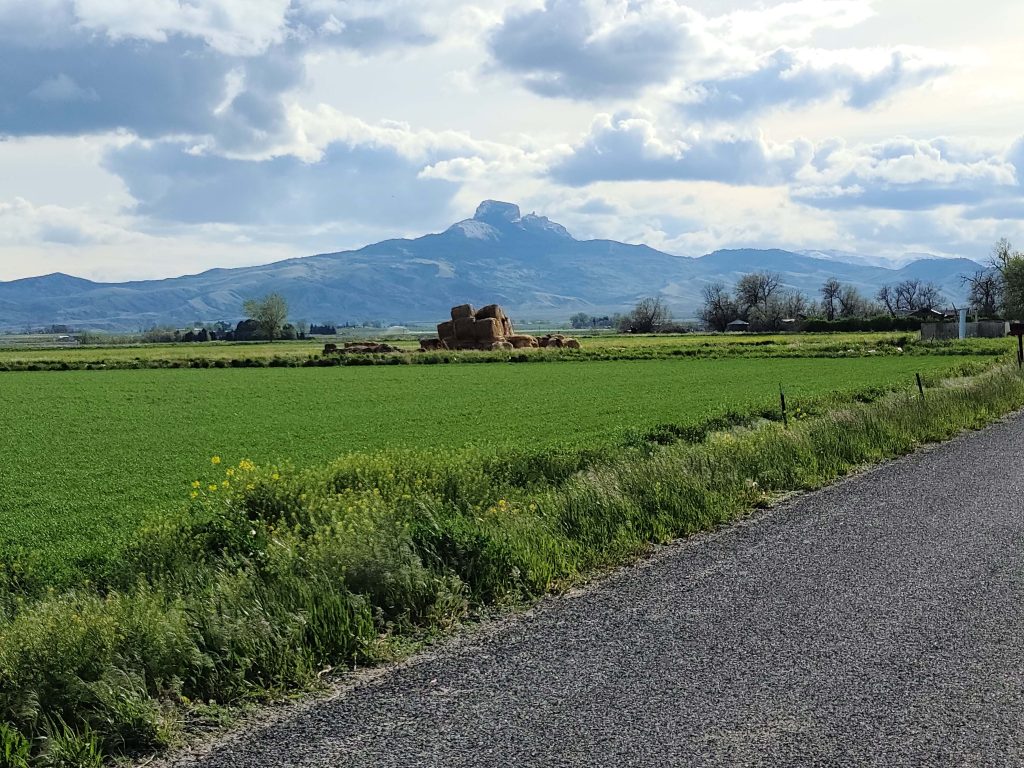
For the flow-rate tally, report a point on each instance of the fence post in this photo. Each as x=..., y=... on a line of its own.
x=920, y=386
x=782, y=399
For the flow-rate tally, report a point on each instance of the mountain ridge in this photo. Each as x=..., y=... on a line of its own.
x=530, y=264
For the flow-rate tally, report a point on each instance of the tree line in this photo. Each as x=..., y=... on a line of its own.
x=759, y=298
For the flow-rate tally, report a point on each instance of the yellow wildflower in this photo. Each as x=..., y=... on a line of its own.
x=195, y=483
x=215, y=460
x=212, y=487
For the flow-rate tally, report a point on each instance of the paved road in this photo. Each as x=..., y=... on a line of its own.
x=877, y=622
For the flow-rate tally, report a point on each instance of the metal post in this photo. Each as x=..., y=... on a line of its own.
x=963, y=324
x=920, y=386
x=782, y=398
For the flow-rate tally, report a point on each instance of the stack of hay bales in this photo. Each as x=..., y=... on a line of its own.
x=486, y=328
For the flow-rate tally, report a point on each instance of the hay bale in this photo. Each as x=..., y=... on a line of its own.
x=465, y=328
x=432, y=345
x=488, y=329
x=521, y=341
x=507, y=327
x=462, y=311
x=491, y=310
x=446, y=329
x=330, y=348
x=501, y=345
x=571, y=344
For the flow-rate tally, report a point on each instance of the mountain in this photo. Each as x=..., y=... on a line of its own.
x=530, y=264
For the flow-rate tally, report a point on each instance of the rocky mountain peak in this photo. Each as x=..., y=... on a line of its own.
x=497, y=213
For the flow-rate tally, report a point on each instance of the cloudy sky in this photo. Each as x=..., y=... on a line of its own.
x=150, y=138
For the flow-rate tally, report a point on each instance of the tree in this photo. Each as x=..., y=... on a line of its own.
x=1002, y=255
x=648, y=316
x=580, y=320
x=793, y=304
x=1007, y=263
x=886, y=296
x=756, y=289
x=829, y=293
x=1012, y=269
x=909, y=296
x=719, y=308
x=851, y=303
x=986, y=291
x=268, y=313
x=928, y=296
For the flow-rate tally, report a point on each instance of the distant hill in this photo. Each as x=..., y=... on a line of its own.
x=529, y=264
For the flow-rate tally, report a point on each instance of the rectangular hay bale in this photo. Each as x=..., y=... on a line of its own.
x=465, y=328
x=491, y=310
x=488, y=329
x=462, y=311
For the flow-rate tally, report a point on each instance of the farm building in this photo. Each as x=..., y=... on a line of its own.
x=738, y=325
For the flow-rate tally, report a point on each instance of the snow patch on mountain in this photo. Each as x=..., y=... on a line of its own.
x=475, y=230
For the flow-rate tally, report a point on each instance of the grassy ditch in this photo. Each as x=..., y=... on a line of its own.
x=276, y=574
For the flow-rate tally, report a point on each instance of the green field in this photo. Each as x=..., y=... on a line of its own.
x=151, y=573
x=595, y=347
x=89, y=454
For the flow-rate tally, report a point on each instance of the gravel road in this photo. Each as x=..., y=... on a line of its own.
x=877, y=622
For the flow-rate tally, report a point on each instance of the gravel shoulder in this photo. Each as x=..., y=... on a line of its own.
x=875, y=622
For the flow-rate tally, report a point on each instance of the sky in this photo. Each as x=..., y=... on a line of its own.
x=152, y=138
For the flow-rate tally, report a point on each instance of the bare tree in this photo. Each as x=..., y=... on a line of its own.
x=986, y=291
x=906, y=295
x=852, y=303
x=756, y=289
x=719, y=308
x=829, y=293
x=793, y=304
x=887, y=297
x=909, y=296
x=648, y=315
x=928, y=296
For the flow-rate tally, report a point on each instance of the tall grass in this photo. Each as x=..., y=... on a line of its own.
x=278, y=574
